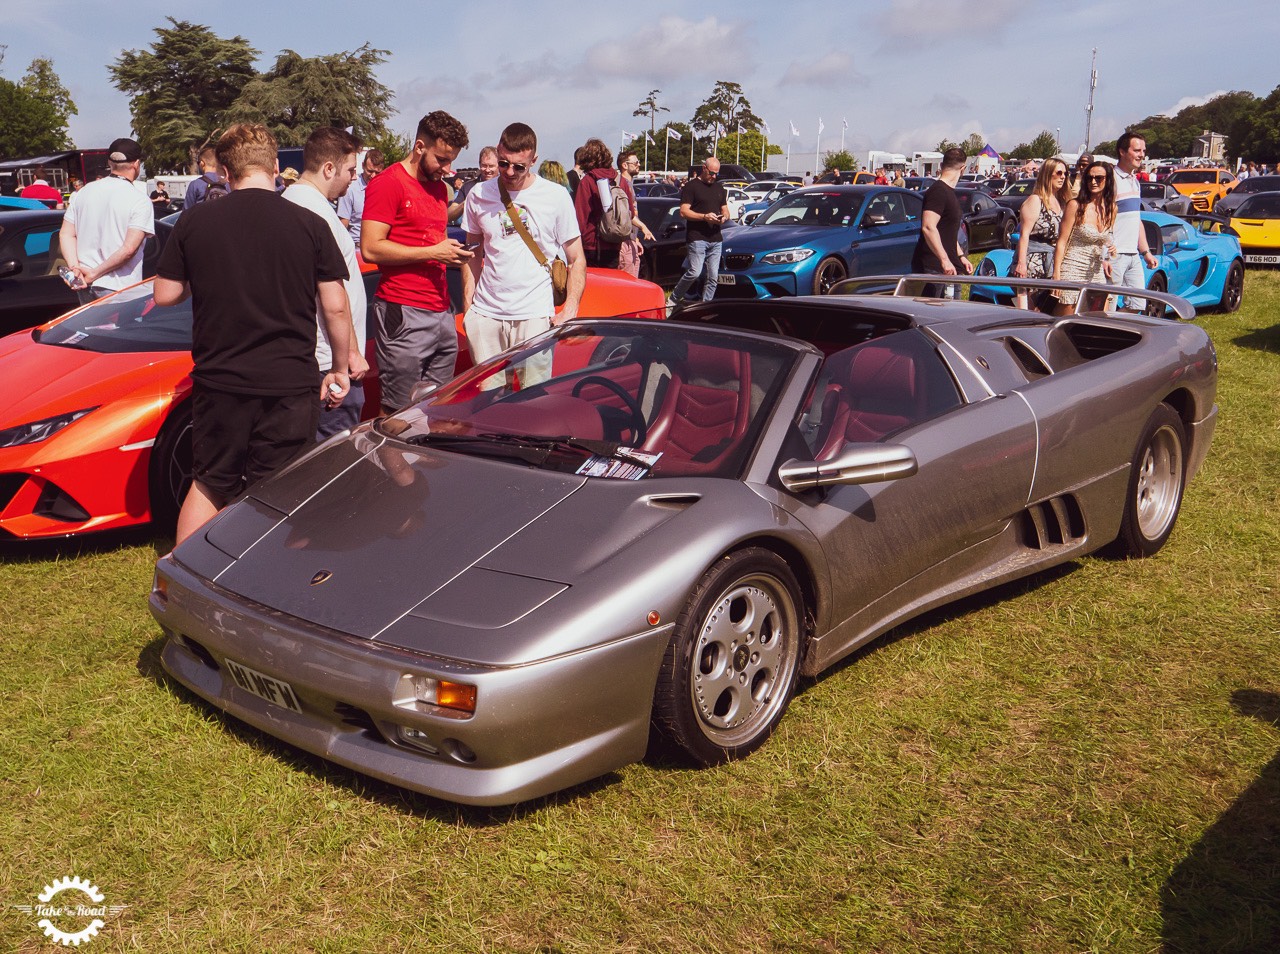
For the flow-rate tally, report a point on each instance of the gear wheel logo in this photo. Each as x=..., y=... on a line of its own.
x=67, y=911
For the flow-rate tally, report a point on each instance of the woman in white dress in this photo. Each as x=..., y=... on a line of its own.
x=1084, y=249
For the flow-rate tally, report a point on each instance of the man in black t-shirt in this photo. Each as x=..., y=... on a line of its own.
x=254, y=265
x=704, y=206
x=938, y=249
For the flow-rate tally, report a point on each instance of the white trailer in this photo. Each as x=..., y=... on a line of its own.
x=889, y=161
x=926, y=163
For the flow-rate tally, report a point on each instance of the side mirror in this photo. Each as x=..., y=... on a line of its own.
x=855, y=464
x=10, y=268
x=876, y=220
x=672, y=229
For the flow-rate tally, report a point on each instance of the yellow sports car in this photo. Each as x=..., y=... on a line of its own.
x=1257, y=223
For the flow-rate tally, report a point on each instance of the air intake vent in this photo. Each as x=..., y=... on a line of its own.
x=1056, y=522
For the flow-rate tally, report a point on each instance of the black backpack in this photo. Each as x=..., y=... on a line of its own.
x=215, y=188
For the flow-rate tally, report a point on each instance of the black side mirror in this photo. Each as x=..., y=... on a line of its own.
x=10, y=268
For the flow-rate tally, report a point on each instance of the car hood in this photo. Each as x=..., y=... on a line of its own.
x=44, y=380
x=431, y=551
x=771, y=238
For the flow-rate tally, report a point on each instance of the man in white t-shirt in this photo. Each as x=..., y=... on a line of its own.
x=1129, y=236
x=329, y=166
x=104, y=229
x=506, y=293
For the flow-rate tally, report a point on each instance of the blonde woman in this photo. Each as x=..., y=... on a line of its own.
x=1084, y=249
x=1041, y=221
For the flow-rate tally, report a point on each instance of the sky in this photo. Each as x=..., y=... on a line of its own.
x=903, y=74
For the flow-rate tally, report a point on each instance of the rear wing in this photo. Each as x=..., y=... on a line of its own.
x=1093, y=298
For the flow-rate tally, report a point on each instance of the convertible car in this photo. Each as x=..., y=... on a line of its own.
x=95, y=432
x=1195, y=261
x=638, y=532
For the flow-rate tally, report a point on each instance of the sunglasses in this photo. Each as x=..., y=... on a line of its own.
x=519, y=167
x=1097, y=178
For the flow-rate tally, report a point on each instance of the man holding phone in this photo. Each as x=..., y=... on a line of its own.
x=403, y=233
x=704, y=204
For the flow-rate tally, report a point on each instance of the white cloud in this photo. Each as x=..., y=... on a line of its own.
x=834, y=68
x=674, y=46
x=1186, y=101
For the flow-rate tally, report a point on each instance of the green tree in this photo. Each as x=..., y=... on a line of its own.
x=1259, y=139
x=1042, y=147
x=724, y=110
x=300, y=93
x=28, y=126
x=745, y=149
x=43, y=82
x=840, y=159
x=649, y=107
x=973, y=145
x=181, y=89
x=946, y=144
x=393, y=146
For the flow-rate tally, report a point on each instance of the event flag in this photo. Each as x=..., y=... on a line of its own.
x=794, y=131
x=672, y=134
x=820, y=126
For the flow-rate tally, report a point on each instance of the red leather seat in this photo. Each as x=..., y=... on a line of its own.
x=873, y=390
x=705, y=411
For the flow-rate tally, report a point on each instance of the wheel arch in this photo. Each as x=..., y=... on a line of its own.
x=804, y=572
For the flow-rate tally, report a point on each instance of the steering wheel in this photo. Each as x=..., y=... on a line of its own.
x=637, y=422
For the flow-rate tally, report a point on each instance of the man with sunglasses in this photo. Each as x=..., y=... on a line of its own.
x=403, y=233
x=704, y=204
x=506, y=291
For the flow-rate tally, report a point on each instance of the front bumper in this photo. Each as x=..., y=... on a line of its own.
x=536, y=728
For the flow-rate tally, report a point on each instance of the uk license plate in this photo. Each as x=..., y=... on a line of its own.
x=723, y=279
x=1262, y=259
x=263, y=686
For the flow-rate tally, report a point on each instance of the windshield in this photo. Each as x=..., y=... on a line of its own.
x=835, y=209
x=1193, y=176
x=1021, y=187
x=127, y=322
x=1259, y=184
x=1152, y=190
x=1264, y=205
x=612, y=399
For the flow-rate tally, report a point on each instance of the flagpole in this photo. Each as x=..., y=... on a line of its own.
x=737, y=156
x=666, y=159
x=817, y=151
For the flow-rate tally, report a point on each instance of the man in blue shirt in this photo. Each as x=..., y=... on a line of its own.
x=351, y=205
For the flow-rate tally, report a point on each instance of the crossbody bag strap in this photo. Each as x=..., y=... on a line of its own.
x=519, y=225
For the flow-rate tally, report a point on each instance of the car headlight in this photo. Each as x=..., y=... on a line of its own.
x=986, y=267
x=37, y=431
x=787, y=257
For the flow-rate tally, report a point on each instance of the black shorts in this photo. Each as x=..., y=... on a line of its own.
x=238, y=439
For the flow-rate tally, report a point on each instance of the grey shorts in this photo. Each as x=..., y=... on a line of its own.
x=412, y=345
x=1127, y=270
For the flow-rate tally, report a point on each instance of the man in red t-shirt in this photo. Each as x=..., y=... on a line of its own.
x=403, y=233
x=41, y=190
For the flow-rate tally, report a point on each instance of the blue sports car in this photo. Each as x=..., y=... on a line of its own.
x=1195, y=261
x=812, y=238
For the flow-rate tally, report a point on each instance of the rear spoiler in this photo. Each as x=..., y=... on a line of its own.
x=1093, y=298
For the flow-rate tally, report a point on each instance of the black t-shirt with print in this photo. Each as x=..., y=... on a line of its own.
x=253, y=261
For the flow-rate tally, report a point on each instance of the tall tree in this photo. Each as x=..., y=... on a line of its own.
x=677, y=153
x=28, y=126
x=43, y=82
x=300, y=93
x=649, y=107
x=181, y=88
x=724, y=110
x=973, y=145
x=1042, y=147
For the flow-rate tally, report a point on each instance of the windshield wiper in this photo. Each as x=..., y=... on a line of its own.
x=543, y=444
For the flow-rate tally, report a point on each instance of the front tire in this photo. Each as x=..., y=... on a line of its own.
x=830, y=271
x=1233, y=288
x=170, y=471
x=1157, y=477
x=730, y=668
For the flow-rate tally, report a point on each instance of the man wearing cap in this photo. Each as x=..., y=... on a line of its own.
x=104, y=229
x=403, y=233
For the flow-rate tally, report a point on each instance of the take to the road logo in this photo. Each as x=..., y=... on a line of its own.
x=71, y=911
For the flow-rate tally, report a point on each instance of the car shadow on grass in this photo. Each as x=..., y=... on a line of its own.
x=1225, y=894
x=1260, y=339
x=362, y=786
x=53, y=551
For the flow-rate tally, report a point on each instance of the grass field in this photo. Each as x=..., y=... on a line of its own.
x=1085, y=761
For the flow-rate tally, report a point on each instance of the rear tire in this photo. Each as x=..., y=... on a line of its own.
x=1157, y=477
x=170, y=471
x=1233, y=288
x=1156, y=309
x=730, y=668
x=1006, y=236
